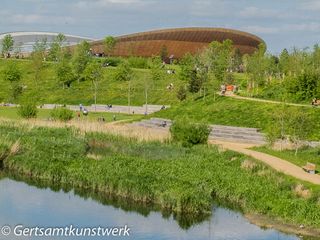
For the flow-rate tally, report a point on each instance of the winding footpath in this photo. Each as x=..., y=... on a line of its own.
x=232, y=95
x=274, y=162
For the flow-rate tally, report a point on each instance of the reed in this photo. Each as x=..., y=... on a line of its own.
x=176, y=179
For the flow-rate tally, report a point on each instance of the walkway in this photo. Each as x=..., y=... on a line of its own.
x=265, y=101
x=274, y=162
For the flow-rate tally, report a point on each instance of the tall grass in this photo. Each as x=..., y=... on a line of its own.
x=179, y=180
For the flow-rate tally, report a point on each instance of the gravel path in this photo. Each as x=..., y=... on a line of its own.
x=274, y=162
x=265, y=101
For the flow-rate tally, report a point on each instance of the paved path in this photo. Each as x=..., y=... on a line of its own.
x=274, y=162
x=144, y=109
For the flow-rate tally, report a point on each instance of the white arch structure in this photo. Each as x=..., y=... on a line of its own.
x=25, y=40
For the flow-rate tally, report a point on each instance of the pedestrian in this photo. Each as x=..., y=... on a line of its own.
x=81, y=107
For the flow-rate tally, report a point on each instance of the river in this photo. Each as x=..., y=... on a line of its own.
x=26, y=205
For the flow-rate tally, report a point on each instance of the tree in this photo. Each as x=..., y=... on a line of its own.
x=195, y=83
x=123, y=72
x=182, y=93
x=256, y=66
x=7, y=44
x=65, y=73
x=220, y=57
x=277, y=128
x=284, y=62
x=38, y=56
x=109, y=45
x=299, y=127
x=164, y=53
x=81, y=58
x=13, y=74
x=94, y=73
x=236, y=61
x=156, y=69
x=187, y=66
x=289, y=123
x=56, y=52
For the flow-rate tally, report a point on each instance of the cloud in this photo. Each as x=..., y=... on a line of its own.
x=260, y=29
x=109, y=3
x=304, y=27
x=206, y=8
x=313, y=5
x=254, y=12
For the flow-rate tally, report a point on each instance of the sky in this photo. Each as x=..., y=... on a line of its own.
x=280, y=23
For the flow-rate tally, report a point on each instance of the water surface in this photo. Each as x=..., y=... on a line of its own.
x=30, y=206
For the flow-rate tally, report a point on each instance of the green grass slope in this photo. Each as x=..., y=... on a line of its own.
x=234, y=112
x=110, y=91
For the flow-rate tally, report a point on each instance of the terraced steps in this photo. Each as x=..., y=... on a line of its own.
x=218, y=132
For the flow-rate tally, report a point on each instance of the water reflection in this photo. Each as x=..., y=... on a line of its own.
x=31, y=206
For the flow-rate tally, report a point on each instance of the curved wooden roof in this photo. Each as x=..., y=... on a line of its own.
x=178, y=41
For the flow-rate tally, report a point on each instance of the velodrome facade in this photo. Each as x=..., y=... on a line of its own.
x=177, y=41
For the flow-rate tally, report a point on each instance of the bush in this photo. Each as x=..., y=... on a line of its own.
x=28, y=110
x=138, y=62
x=189, y=133
x=112, y=61
x=182, y=93
x=62, y=114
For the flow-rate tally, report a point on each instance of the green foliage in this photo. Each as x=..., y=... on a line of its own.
x=12, y=73
x=256, y=66
x=174, y=178
x=156, y=68
x=81, y=58
x=62, y=114
x=16, y=90
x=56, y=51
x=236, y=112
x=187, y=65
x=189, y=133
x=109, y=45
x=64, y=72
x=37, y=57
x=163, y=53
x=182, y=93
x=195, y=83
x=303, y=87
x=28, y=110
x=113, y=61
x=138, y=62
x=305, y=154
x=7, y=44
x=220, y=56
x=124, y=72
x=93, y=72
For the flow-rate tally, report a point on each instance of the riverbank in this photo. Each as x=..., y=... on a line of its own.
x=176, y=179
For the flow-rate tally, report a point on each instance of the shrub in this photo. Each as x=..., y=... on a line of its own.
x=189, y=133
x=138, y=62
x=112, y=61
x=62, y=114
x=28, y=110
x=182, y=93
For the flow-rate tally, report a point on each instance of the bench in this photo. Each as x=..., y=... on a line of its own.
x=310, y=168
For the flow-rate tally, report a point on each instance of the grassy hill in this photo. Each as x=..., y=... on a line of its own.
x=223, y=110
x=234, y=112
x=110, y=90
